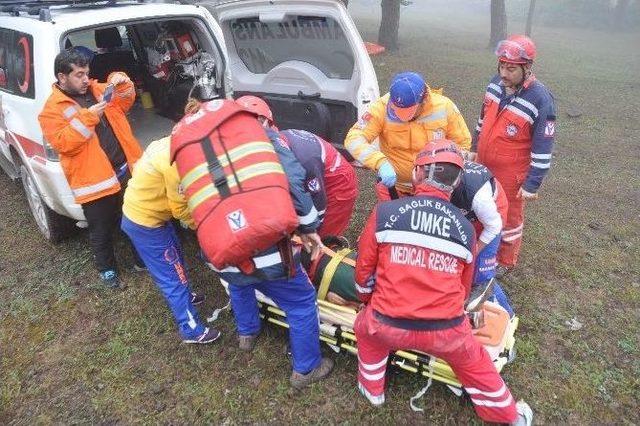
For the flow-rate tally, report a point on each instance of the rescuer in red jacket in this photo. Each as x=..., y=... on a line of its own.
x=514, y=136
x=414, y=271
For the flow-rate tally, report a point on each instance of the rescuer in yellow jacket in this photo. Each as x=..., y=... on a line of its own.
x=152, y=199
x=404, y=120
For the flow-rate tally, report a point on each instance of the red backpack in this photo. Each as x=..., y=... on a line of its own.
x=236, y=188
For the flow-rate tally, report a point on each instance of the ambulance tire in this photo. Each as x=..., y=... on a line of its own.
x=53, y=226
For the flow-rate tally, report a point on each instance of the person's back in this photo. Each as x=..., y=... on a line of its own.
x=426, y=244
x=331, y=180
x=152, y=196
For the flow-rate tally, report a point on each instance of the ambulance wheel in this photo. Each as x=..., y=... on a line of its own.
x=53, y=226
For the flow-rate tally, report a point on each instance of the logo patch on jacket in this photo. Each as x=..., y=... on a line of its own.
x=364, y=120
x=438, y=134
x=550, y=129
x=236, y=220
x=313, y=185
x=512, y=129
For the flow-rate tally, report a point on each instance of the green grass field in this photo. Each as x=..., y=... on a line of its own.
x=74, y=352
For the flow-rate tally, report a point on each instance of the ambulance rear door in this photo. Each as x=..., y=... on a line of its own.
x=305, y=58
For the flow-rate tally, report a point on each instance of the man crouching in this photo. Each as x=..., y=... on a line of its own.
x=414, y=270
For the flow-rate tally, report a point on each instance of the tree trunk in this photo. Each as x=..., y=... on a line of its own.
x=498, y=22
x=619, y=13
x=532, y=7
x=389, y=24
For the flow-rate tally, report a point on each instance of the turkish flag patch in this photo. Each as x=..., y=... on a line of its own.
x=550, y=129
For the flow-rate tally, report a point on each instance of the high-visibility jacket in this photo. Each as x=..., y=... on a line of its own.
x=400, y=142
x=153, y=193
x=70, y=129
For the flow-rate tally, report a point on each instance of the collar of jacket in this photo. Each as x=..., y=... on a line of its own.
x=60, y=95
x=428, y=190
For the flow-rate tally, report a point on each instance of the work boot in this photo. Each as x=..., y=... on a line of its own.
x=299, y=380
x=196, y=298
x=503, y=270
x=110, y=278
x=247, y=342
x=209, y=335
x=525, y=414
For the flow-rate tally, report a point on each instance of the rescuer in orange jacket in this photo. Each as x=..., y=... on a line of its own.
x=96, y=146
x=404, y=120
x=514, y=136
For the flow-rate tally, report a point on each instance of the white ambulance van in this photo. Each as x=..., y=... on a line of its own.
x=305, y=58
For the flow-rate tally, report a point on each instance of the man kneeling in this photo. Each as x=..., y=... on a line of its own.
x=414, y=271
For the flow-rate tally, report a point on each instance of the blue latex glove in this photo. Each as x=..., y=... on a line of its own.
x=386, y=174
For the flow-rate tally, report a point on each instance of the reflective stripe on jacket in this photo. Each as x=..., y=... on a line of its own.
x=70, y=129
x=515, y=135
x=415, y=257
x=400, y=142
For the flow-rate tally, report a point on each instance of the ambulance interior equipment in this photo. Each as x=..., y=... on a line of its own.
x=166, y=58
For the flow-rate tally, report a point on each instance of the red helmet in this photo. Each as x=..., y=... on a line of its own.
x=256, y=105
x=517, y=49
x=433, y=165
x=440, y=151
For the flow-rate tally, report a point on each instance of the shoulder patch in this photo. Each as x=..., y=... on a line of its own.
x=550, y=129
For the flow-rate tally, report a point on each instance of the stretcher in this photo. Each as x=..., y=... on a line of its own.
x=333, y=275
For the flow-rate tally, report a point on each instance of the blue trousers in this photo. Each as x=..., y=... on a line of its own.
x=486, y=264
x=161, y=252
x=297, y=298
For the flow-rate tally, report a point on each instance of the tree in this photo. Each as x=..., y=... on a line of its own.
x=389, y=24
x=532, y=6
x=498, y=22
x=619, y=13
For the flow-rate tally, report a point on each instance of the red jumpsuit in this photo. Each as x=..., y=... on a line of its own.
x=514, y=139
x=414, y=271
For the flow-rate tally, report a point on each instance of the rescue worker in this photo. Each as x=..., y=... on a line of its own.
x=151, y=200
x=404, y=120
x=280, y=276
x=484, y=203
x=414, y=271
x=331, y=179
x=514, y=136
x=96, y=146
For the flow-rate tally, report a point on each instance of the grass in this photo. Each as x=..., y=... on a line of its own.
x=74, y=352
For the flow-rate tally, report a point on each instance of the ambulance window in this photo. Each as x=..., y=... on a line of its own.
x=318, y=41
x=88, y=39
x=16, y=63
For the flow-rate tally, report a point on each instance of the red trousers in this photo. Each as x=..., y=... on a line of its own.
x=513, y=226
x=469, y=360
x=341, y=186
